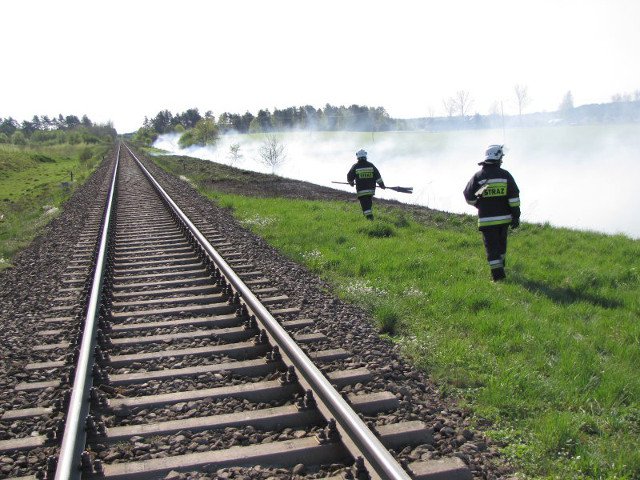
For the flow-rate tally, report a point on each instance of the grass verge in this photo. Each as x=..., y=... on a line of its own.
x=33, y=185
x=549, y=357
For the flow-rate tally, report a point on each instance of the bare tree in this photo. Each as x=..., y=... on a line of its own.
x=449, y=106
x=234, y=155
x=272, y=152
x=522, y=97
x=462, y=102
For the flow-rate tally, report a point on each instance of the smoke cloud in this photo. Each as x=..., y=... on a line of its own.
x=580, y=177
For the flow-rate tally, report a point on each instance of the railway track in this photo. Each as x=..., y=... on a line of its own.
x=189, y=360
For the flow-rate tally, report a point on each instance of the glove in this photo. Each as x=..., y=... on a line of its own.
x=382, y=186
x=515, y=223
x=351, y=183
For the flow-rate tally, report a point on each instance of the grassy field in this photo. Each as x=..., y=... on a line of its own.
x=33, y=185
x=550, y=357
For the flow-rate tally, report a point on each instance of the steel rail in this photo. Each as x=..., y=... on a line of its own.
x=377, y=458
x=74, y=437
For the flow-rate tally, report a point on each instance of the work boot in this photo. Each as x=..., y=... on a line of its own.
x=498, y=274
x=370, y=216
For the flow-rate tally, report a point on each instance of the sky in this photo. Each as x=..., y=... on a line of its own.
x=120, y=61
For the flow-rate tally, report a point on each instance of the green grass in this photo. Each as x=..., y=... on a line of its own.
x=34, y=182
x=550, y=357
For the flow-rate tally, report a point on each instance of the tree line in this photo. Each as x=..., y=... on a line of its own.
x=203, y=130
x=55, y=130
x=196, y=127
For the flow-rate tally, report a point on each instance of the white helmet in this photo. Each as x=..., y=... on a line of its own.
x=361, y=154
x=494, y=154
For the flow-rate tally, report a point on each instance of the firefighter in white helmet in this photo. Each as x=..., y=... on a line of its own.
x=365, y=176
x=493, y=191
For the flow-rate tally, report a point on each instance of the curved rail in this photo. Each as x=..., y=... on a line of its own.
x=73, y=440
x=360, y=441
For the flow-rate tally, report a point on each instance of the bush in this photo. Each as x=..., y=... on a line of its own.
x=186, y=139
x=39, y=157
x=86, y=154
x=4, y=138
x=378, y=230
x=18, y=138
x=44, y=136
x=145, y=136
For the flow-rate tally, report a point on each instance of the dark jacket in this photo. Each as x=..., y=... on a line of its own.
x=365, y=175
x=499, y=201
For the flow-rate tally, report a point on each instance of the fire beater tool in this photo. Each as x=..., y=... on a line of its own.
x=396, y=189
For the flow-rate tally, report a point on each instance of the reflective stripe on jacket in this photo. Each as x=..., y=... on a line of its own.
x=365, y=175
x=493, y=191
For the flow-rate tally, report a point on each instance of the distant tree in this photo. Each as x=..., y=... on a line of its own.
x=309, y=117
x=330, y=117
x=28, y=127
x=626, y=97
x=462, y=102
x=264, y=120
x=254, y=126
x=86, y=122
x=145, y=135
x=8, y=126
x=272, y=152
x=46, y=122
x=204, y=133
x=57, y=123
x=188, y=119
x=225, y=123
x=36, y=122
x=284, y=119
x=567, y=102
x=449, y=105
x=378, y=120
x=71, y=121
x=162, y=122
x=244, y=125
x=522, y=97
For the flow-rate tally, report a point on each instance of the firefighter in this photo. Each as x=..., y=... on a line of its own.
x=493, y=191
x=366, y=176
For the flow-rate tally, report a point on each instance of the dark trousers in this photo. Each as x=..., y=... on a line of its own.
x=366, y=202
x=495, y=244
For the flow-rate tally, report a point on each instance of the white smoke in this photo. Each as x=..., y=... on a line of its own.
x=576, y=177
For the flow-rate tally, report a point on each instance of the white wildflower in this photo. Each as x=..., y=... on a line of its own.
x=362, y=288
x=413, y=292
x=258, y=221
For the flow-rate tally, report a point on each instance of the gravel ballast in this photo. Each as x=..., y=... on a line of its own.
x=27, y=289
